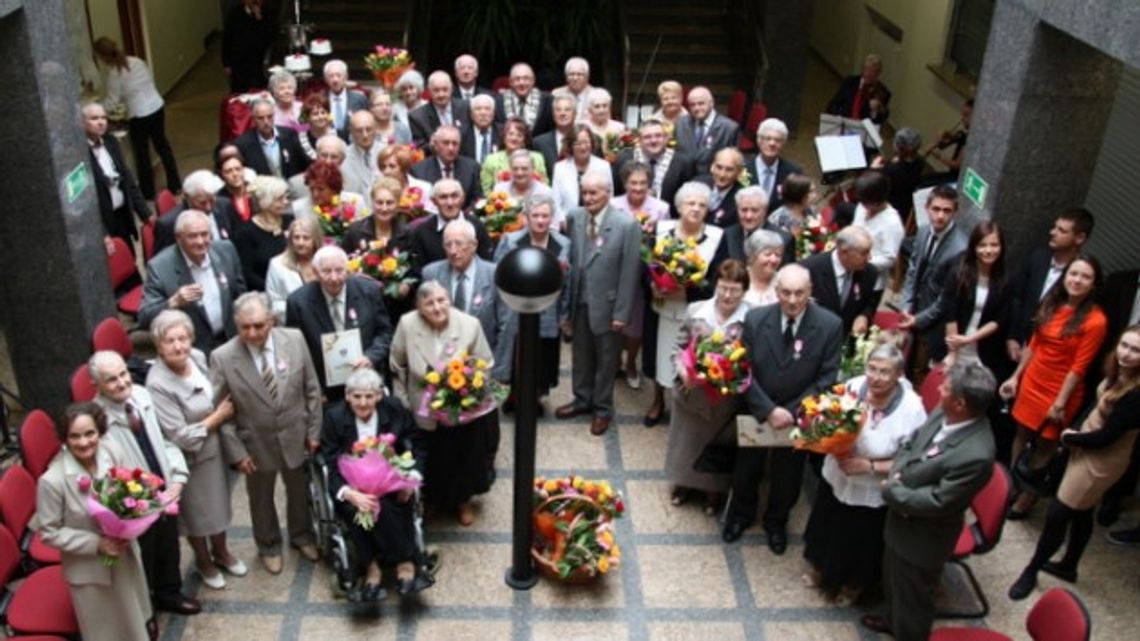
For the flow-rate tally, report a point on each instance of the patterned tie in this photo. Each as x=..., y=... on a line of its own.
x=447, y=171
x=460, y=301
x=267, y=376
x=337, y=314
x=133, y=418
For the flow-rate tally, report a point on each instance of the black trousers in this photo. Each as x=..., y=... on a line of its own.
x=147, y=131
x=162, y=562
x=785, y=472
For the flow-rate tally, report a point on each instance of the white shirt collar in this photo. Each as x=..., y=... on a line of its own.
x=205, y=260
x=840, y=270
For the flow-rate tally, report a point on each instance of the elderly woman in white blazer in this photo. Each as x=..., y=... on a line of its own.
x=581, y=159
x=193, y=420
x=457, y=454
x=112, y=603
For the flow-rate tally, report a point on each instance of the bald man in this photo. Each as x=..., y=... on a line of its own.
x=441, y=109
x=702, y=132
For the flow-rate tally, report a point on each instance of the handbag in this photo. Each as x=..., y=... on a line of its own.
x=1042, y=481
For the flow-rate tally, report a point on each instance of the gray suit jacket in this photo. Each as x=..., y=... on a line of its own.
x=935, y=485
x=180, y=409
x=270, y=431
x=917, y=297
x=484, y=304
x=724, y=132
x=170, y=460
x=168, y=271
x=605, y=272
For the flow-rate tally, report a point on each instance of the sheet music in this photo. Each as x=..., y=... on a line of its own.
x=838, y=153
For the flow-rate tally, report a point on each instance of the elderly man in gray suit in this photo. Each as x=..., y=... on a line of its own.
x=133, y=427
x=267, y=373
x=197, y=275
x=929, y=487
x=604, y=261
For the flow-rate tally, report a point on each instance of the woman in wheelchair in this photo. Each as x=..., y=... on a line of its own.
x=367, y=411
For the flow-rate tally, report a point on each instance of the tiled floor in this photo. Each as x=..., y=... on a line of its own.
x=678, y=581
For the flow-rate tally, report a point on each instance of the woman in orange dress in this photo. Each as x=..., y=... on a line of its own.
x=1048, y=382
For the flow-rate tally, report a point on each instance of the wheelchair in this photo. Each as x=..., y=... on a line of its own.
x=336, y=546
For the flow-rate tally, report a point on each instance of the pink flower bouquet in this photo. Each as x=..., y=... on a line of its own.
x=126, y=503
x=374, y=468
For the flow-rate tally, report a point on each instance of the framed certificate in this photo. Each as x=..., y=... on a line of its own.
x=750, y=433
x=340, y=351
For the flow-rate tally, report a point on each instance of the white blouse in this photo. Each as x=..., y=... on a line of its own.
x=877, y=440
x=135, y=86
x=280, y=281
x=887, y=233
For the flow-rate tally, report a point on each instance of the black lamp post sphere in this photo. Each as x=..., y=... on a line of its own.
x=529, y=279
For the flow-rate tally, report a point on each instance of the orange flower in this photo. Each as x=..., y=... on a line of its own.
x=455, y=366
x=456, y=380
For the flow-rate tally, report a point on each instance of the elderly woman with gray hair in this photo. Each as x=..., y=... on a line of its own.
x=523, y=182
x=199, y=425
x=457, y=455
x=844, y=536
x=666, y=312
x=763, y=251
x=286, y=107
x=263, y=237
x=409, y=89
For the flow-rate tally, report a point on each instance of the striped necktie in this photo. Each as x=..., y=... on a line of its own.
x=267, y=376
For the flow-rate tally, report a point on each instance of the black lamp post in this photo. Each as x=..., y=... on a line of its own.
x=529, y=280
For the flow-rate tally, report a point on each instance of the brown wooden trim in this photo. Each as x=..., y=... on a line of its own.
x=131, y=25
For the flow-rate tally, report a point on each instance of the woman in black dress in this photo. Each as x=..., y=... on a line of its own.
x=263, y=237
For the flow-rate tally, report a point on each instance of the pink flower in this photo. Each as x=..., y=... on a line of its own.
x=84, y=483
x=130, y=503
x=143, y=505
x=388, y=438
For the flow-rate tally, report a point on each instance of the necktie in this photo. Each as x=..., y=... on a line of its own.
x=447, y=171
x=844, y=288
x=699, y=137
x=789, y=332
x=925, y=259
x=136, y=424
x=133, y=418
x=857, y=103
x=486, y=147
x=337, y=314
x=653, y=177
x=460, y=301
x=338, y=113
x=267, y=375
x=591, y=228
x=769, y=178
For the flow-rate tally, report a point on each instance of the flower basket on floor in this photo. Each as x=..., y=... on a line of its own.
x=573, y=529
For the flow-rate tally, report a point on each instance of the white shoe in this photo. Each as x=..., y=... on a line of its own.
x=633, y=381
x=215, y=582
x=237, y=568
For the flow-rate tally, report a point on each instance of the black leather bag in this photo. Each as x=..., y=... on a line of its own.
x=1042, y=481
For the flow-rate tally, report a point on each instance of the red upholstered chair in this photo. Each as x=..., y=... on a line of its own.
x=82, y=387
x=165, y=201
x=148, y=239
x=736, y=106
x=988, y=507
x=17, y=505
x=500, y=83
x=42, y=603
x=1059, y=615
x=887, y=320
x=929, y=389
x=121, y=266
x=748, y=133
x=110, y=335
x=38, y=442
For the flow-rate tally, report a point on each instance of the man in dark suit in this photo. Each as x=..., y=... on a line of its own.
x=768, y=169
x=197, y=275
x=863, y=96
x=441, y=110
x=115, y=188
x=751, y=205
x=270, y=150
x=843, y=280
x=1071, y=230
x=427, y=237
x=669, y=168
x=927, y=490
x=447, y=163
x=703, y=132
x=526, y=101
x=197, y=194
x=794, y=347
x=480, y=138
x=343, y=102
x=604, y=257
x=337, y=302
x=724, y=180
x=937, y=247
x=550, y=143
x=466, y=77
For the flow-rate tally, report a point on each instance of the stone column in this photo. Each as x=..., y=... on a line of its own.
x=786, y=29
x=55, y=286
x=1044, y=99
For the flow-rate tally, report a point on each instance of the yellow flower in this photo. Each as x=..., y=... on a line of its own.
x=737, y=354
x=616, y=551
x=456, y=380
x=354, y=265
x=603, y=564
x=696, y=278
x=672, y=266
x=690, y=242
x=551, y=486
x=133, y=487
x=608, y=538
x=436, y=404
x=467, y=402
x=717, y=337
x=477, y=381
x=455, y=366
x=432, y=378
x=389, y=265
x=335, y=200
x=480, y=364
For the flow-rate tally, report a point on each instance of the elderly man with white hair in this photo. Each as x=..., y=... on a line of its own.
x=605, y=262
x=752, y=214
x=340, y=302
x=445, y=162
x=198, y=275
x=359, y=167
x=703, y=132
x=427, y=237
x=442, y=109
x=342, y=101
x=843, y=279
x=863, y=95
x=577, y=72
x=199, y=191
x=480, y=138
x=526, y=101
x=768, y=168
x=467, y=77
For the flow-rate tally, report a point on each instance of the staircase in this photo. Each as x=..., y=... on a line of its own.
x=694, y=48
x=356, y=26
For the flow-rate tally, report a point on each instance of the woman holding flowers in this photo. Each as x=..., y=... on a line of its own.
x=425, y=348
x=764, y=250
x=386, y=232
x=522, y=183
x=700, y=253
x=197, y=423
x=391, y=541
x=263, y=237
x=844, y=536
x=326, y=185
x=111, y=601
x=293, y=267
x=699, y=419
x=395, y=161
x=515, y=136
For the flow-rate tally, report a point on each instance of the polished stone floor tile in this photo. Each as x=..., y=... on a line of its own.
x=811, y=631
x=434, y=630
x=342, y=628
x=232, y=627
x=471, y=575
x=776, y=581
x=685, y=576
x=679, y=631
x=653, y=513
x=578, y=631
x=643, y=448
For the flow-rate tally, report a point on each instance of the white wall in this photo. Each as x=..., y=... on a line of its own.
x=175, y=32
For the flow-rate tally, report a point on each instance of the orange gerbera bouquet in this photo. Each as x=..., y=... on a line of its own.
x=460, y=390
x=719, y=364
x=675, y=264
x=829, y=422
x=411, y=204
x=390, y=267
x=335, y=217
x=573, y=527
x=500, y=213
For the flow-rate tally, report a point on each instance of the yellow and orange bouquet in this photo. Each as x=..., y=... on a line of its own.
x=335, y=217
x=573, y=527
x=387, y=64
x=388, y=266
x=411, y=205
x=829, y=423
x=675, y=264
x=500, y=213
x=719, y=364
x=460, y=390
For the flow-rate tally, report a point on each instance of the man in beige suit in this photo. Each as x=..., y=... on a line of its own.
x=267, y=373
x=133, y=428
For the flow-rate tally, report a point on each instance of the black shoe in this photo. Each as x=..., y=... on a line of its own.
x=1060, y=571
x=876, y=623
x=1023, y=585
x=1108, y=512
x=184, y=605
x=649, y=420
x=1017, y=515
x=1124, y=537
x=777, y=541
x=733, y=530
x=372, y=592
x=404, y=587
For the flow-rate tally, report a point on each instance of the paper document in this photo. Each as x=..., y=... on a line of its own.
x=750, y=433
x=340, y=351
x=838, y=153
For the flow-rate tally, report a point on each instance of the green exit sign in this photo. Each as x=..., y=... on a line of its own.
x=974, y=187
x=76, y=181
